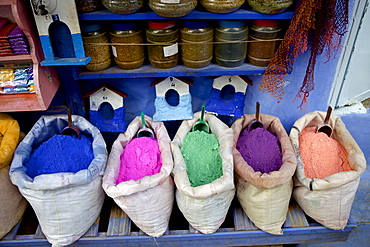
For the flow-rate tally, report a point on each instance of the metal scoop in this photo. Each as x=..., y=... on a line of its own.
x=201, y=125
x=254, y=124
x=325, y=127
x=71, y=130
x=144, y=131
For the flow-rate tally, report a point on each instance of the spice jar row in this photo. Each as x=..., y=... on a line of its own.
x=179, y=8
x=196, y=43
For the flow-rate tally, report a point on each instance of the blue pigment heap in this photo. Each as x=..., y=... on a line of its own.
x=166, y=112
x=61, y=153
x=233, y=106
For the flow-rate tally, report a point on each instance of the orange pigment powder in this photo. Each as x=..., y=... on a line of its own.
x=321, y=155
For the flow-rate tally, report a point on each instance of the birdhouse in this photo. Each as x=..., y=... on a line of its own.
x=173, y=99
x=107, y=111
x=59, y=31
x=228, y=95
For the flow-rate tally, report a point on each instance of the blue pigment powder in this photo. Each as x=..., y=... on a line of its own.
x=230, y=105
x=61, y=153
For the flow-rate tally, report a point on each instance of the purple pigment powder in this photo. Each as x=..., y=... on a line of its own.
x=260, y=149
x=140, y=158
x=61, y=153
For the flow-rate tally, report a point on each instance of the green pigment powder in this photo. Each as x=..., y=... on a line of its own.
x=203, y=162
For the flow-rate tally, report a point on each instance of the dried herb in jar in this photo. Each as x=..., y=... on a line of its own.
x=123, y=6
x=270, y=6
x=163, y=35
x=127, y=56
x=197, y=46
x=222, y=6
x=172, y=8
x=93, y=35
x=84, y=6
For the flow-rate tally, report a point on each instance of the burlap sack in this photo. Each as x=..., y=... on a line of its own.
x=205, y=207
x=66, y=204
x=147, y=201
x=265, y=197
x=12, y=204
x=328, y=200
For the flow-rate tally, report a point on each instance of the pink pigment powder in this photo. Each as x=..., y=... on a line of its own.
x=322, y=156
x=260, y=149
x=140, y=158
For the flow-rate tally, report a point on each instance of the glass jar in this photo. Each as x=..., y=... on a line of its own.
x=127, y=56
x=231, y=42
x=84, y=6
x=265, y=35
x=221, y=6
x=197, y=46
x=172, y=8
x=93, y=35
x=270, y=6
x=162, y=37
x=123, y=6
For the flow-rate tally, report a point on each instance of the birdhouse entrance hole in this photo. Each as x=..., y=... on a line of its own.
x=61, y=40
x=227, y=92
x=172, y=97
x=106, y=111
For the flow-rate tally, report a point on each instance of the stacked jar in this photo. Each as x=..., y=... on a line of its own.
x=84, y=6
x=221, y=6
x=172, y=8
x=270, y=6
x=162, y=38
x=197, y=46
x=265, y=38
x=94, y=38
x=127, y=56
x=123, y=6
x=231, y=42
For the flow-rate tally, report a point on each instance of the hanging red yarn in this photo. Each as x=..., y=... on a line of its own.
x=319, y=24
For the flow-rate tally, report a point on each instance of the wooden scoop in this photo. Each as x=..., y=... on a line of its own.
x=201, y=125
x=325, y=127
x=254, y=124
x=71, y=130
x=144, y=131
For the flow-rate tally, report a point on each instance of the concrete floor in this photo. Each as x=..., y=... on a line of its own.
x=358, y=125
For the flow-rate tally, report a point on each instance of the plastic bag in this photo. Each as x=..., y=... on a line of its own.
x=265, y=197
x=66, y=204
x=205, y=207
x=329, y=200
x=12, y=204
x=147, y=201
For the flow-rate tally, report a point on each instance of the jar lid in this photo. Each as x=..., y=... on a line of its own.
x=266, y=22
x=124, y=26
x=236, y=23
x=196, y=24
x=161, y=24
x=91, y=27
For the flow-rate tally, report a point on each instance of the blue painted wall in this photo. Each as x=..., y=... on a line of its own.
x=141, y=96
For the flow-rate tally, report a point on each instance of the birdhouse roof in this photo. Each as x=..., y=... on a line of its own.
x=185, y=80
x=243, y=77
x=110, y=87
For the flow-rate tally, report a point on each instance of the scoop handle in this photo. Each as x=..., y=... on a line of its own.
x=202, y=113
x=69, y=118
x=328, y=113
x=143, y=119
x=257, y=111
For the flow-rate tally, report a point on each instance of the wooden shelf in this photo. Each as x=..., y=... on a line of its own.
x=46, y=81
x=179, y=70
x=195, y=14
x=16, y=59
x=237, y=230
